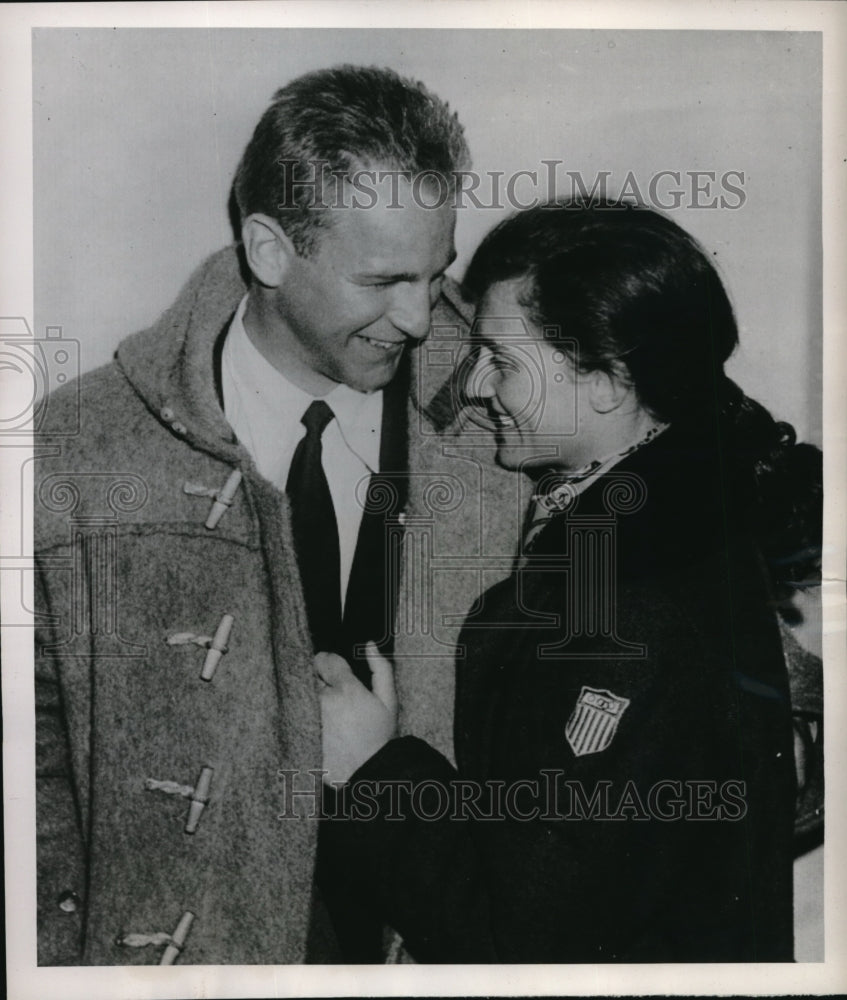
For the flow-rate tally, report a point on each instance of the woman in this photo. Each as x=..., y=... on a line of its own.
x=625, y=784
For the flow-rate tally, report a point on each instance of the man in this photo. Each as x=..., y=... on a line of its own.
x=234, y=503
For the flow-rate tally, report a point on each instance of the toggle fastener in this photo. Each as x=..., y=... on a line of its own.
x=217, y=648
x=222, y=498
x=216, y=644
x=199, y=795
x=174, y=943
x=199, y=800
x=178, y=937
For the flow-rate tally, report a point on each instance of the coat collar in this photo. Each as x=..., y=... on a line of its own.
x=171, y=365
x=674, y=501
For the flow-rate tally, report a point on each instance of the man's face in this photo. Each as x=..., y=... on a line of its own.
x=347, y=312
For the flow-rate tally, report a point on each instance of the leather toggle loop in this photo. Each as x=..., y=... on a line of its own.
x=222, y=498
x=188, y=638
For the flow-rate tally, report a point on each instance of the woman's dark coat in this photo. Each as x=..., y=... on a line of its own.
x=666, y=697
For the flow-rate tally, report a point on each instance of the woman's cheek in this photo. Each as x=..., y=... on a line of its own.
x=523, y=398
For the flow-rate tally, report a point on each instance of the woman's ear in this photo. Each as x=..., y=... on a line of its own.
x=268, y=250
x=607, y=391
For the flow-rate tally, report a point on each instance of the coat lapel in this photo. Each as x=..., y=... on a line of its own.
x=372, y=592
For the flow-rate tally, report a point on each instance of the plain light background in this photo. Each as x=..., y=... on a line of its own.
x=137, y=133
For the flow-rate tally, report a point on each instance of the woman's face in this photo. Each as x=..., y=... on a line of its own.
x=529, y=386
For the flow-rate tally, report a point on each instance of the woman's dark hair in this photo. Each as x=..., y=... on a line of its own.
x=622, y=289
x=628, y=287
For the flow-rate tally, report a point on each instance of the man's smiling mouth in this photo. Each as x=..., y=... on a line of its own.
x=385, y=345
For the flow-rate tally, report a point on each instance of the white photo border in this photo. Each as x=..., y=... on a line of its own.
x=16, y=298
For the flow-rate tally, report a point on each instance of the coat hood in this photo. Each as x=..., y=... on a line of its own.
x=171, y=364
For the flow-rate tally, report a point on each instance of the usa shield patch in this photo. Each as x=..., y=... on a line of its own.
x=594, y=720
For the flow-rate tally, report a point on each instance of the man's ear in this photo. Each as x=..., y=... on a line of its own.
x=268, y=250
x=606, y=392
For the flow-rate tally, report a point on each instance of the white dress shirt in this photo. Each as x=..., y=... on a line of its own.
x=264, y=409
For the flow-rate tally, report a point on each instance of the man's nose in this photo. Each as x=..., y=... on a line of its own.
x=411, y=310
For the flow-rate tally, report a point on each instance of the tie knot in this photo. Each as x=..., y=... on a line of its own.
x=316, y=417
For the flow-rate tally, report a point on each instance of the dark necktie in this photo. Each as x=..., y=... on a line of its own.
x=315, y=531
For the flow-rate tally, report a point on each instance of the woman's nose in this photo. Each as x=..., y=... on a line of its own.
x=482, y=383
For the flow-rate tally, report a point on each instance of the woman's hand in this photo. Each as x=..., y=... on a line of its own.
x=355, y=722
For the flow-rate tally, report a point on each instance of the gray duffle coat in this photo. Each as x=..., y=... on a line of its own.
x=174, y=687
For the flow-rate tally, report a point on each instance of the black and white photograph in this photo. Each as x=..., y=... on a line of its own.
x=418, y=571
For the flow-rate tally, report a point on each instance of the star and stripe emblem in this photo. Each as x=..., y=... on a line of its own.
x=594, y=720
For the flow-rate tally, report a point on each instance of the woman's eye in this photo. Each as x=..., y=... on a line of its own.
x=503, y=363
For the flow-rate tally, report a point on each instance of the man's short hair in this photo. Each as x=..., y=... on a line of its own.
x=338, y=121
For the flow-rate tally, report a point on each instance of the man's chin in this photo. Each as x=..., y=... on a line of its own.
x=373, y=380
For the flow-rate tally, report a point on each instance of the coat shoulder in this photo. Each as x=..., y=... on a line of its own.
x=116, y=458
x=452, y=305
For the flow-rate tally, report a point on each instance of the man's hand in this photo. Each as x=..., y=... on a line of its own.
x=356, y=722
